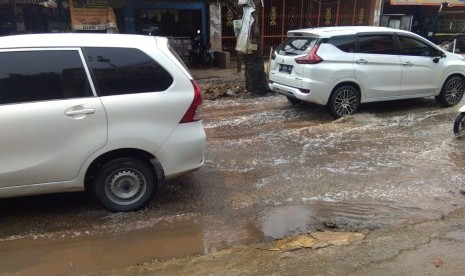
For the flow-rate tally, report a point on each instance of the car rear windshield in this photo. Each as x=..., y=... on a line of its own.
x=294, y=46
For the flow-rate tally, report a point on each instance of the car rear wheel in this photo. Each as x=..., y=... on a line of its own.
x=125, y=184
x=452, y=92
x=344, y=101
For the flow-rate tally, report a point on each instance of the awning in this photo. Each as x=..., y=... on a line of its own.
x=428, y=2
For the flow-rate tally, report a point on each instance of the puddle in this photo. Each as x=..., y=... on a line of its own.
x=98, y=253
x=194, y=236
x=287, y=220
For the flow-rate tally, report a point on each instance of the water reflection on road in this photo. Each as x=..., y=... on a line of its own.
x=272, y=170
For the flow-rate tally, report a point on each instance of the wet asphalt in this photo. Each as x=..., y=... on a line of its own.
x=272, y=169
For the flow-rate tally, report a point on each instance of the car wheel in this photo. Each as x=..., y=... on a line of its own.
x=344, y=101
x=292, y=100
x=125, y=184
x=459, y=125
x=446, y=46
x=452, y=92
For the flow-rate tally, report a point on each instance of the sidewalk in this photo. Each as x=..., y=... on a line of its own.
x=433, y=247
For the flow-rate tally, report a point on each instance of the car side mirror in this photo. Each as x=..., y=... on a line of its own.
x=438, y=56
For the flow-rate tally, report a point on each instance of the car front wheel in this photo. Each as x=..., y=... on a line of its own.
x=125, y=184
x=344, y=101
x=452, y=92
x=459, y=125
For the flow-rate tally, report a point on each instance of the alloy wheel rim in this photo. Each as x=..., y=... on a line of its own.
x=345, y=102
x=454, y=92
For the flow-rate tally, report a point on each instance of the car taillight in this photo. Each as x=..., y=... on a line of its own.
x=311, y=58
x=194, y=113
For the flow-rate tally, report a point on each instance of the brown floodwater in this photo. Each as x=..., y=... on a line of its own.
x=272, y=170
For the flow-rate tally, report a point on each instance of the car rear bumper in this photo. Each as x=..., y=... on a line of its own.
x=184, y=150
x=315, y=95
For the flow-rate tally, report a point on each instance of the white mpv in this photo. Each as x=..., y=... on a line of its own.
x=111, y=114
x=341, y=67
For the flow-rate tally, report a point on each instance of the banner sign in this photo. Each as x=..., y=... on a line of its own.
x=428, y=2
x=91, y=15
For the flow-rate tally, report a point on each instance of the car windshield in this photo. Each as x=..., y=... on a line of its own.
x=294, y=46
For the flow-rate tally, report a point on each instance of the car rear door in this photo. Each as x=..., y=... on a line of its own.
x=51, y=121
x=377, y=66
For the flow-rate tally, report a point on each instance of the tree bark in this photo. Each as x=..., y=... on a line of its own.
x=255, y=79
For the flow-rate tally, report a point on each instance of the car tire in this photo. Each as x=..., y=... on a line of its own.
x=125, y=184
x=344, y=101
x=293, y=100
x=451, y=92
x=459, y=125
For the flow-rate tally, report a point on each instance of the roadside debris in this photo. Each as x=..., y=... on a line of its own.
x=314, y=240
x=216, y=88
x=437, y=261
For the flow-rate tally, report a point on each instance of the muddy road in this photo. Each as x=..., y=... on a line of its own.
x=272, y=169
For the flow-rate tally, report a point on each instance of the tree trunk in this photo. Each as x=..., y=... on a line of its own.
x=255, y=78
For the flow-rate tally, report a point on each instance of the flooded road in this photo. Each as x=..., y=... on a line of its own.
x=272, y=170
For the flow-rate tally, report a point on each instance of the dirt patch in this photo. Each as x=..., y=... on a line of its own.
x=216, y=88
x=220, y=83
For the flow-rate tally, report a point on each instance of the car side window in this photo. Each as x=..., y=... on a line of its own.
x=40, y=75
x=413, y=47
x=344, y=43
x=376, y=44
x=126, y=71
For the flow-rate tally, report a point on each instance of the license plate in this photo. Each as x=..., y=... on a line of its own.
x=285, y=68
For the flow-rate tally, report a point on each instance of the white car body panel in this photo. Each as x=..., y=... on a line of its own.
x=421, y=76
x=42, y=150
x=378, y=77
x=33, y=145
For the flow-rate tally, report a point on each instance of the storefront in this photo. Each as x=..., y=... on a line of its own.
x=423, y=14
x=179, y=21
x=33, y=16
x=279, y=16
x=441, y=22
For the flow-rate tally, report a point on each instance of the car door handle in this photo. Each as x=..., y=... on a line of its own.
x=361, y=61
x=84, y=111
x=407, y=64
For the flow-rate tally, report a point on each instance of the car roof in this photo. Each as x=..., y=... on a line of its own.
x=346, y=30
x=75, y=40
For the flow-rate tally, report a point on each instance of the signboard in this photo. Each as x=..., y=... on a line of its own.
x=91, y=15
x=428, y=2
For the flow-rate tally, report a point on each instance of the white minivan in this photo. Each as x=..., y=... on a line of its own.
x=108, y=113
x=341, y=67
